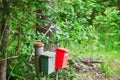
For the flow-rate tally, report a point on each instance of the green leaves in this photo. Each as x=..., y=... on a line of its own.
x=107, y=25
x=87, y=22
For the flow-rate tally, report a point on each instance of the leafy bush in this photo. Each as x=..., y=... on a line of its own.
x=107, y=25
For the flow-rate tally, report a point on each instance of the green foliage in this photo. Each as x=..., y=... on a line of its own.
x=92, y=24
x=105, y=70
x=107, y=25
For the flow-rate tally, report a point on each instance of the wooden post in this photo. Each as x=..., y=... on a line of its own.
x=39, y=46
x=56, y=75
x=44, y=78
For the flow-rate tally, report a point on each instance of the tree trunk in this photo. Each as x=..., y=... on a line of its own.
x=4, y=37
x=3, y=53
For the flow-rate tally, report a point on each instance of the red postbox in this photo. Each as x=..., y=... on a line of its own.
x=61, y=58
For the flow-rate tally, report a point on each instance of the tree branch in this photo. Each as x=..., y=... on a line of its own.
x=8, y=58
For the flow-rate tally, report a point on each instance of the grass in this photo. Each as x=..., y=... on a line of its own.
x=111, y=58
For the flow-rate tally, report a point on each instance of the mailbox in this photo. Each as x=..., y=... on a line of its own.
x=61, y=58
x=47, y=62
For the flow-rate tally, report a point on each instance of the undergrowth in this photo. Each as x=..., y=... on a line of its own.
x=109, y=56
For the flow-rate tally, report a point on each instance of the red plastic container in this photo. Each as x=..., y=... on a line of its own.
x=61, y=58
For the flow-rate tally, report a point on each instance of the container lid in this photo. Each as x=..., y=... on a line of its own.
x=48, y=54
x=63, y=49
x=38, y=44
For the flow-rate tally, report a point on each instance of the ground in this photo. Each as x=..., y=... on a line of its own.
x=99, y=66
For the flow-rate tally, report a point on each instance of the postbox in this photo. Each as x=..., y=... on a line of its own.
x=47, y=62
x=61, y=58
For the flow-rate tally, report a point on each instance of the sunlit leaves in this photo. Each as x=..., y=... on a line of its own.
x=108, y=26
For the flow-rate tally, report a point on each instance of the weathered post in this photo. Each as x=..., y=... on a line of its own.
x=39, y=46
x=56, y=75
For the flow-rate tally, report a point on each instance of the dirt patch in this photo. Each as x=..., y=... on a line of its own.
x=86, y=69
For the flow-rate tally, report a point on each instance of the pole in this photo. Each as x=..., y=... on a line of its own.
x=44, y=78
x=39, y=46
x=56, y=75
